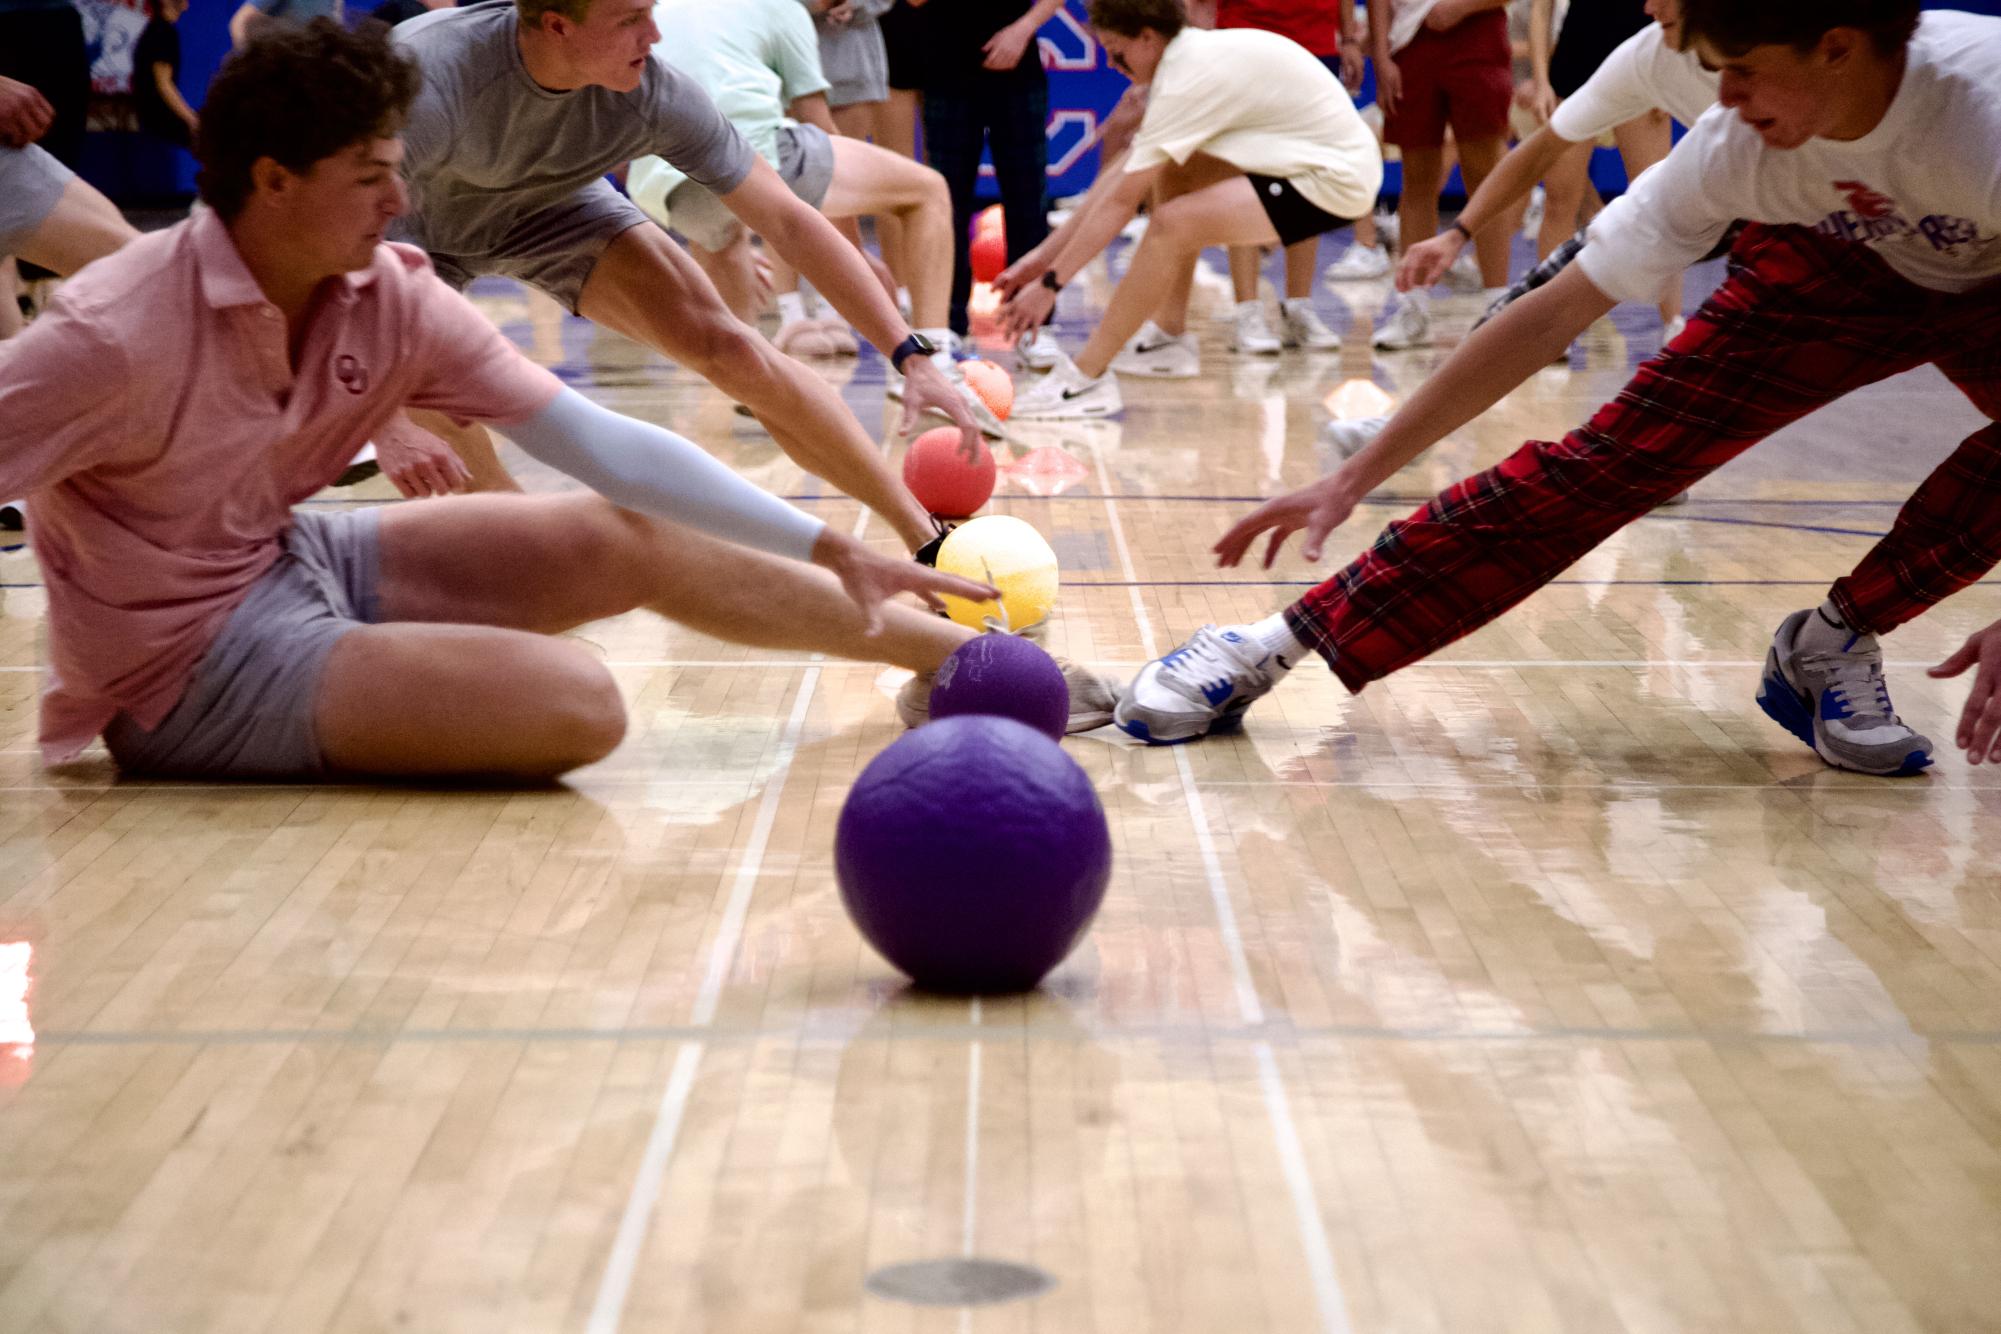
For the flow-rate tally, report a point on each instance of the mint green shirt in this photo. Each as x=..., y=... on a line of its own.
x=754, y=57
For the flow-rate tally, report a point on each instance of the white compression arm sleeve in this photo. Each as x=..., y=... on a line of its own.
x=645, y=468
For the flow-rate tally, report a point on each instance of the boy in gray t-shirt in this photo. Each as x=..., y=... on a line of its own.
x=526, y=104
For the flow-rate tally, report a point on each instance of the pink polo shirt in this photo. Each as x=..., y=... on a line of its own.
x=154, y=421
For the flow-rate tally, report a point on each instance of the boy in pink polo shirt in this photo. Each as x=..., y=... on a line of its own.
x=182, y=394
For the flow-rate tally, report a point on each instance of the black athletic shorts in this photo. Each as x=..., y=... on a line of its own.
x=1592, y=30
x=902, y=31
x=1292, y=214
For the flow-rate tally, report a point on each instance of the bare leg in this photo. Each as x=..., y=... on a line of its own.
x=1209, y=203
x=84, y=226
x=1246, y=267
x=1423, y=177
x=896, y=130
x=1644, y=141
x=646, y=288
x=875, y=180
x=1563, y=198
x=462, y=679
x=733, y=270
x=1478, y=157
x=1300, y=259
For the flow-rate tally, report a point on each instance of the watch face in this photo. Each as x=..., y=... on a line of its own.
x=923, y=346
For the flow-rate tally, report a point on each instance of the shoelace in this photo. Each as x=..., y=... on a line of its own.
x=1206, y=660
x=1856, y=680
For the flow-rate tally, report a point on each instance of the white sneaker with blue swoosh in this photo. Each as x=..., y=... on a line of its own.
x=1202, y=687
x=1824, y=684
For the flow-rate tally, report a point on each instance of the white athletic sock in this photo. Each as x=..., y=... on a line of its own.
x=1825, y=631
x=1275, y=637
x=791, y=307
x=943, y=339
x=1253, y=306
x=1294, y=304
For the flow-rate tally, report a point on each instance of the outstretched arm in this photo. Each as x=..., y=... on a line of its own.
x=1495, y=358
x=643, y=467
x=811, y=244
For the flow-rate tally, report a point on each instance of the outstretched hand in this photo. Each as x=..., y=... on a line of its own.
x=925, y=387
x=1026, y=311
x=1979, y=732
x=871, y=579
x=25, y=115
x=1426, y=262
x=1024, y=272
x=1319, y=509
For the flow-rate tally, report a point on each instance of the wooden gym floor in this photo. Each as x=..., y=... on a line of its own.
x=1547, y=986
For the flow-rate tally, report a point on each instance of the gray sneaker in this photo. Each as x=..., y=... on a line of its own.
x=1093, y=698
x=1202, y=687
x=1838, y=703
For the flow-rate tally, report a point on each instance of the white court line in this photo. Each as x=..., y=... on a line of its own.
x=1327, y=1294
x=615, y=1287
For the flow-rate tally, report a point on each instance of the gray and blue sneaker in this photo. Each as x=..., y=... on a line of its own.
x=1202, y=687
x=1837, y=702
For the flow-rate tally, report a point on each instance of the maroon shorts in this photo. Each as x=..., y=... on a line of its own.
x=1462, y=77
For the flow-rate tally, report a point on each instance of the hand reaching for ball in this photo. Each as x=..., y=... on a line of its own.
x=871, y=579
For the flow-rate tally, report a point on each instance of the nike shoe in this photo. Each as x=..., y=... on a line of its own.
x=1039, y=351
x=1162, y=355
x=1202, y=687
x=1360, y=263
x=1348, y=438
x=1408, y=326
x=1837, y=703
x=1067, y=394
x=1251, y=333
x=1299, y=326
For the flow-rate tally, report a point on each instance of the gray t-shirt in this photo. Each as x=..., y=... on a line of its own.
x=487, y=148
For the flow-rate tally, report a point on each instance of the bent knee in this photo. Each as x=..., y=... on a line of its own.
x=723, y=347
x=584, y=716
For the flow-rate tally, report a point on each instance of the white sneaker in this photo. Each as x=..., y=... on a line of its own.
x=1039, y=351
x=1673, y=329
x=1359, y=263
x=1204, y=686
x=1409, y=325
x=1066, y=393
x=1389, y=226
x=1157, y=353
x=1351, y=437
x=1465, y=271
x=1299, y=326
x=1532, y=215
x=1252, y=334
x=1835, y=700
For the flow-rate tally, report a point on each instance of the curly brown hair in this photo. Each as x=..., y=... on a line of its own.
x=298, y=95
x=1129, y=18
x=1734, y=27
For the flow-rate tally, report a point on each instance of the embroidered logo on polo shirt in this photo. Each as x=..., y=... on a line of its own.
x=353, y=376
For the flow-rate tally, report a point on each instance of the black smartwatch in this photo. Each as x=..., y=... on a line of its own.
x=1049, y=280
x=917, y=345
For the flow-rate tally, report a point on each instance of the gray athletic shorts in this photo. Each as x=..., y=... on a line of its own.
x=805, y=163
x=31, y=182
x=248, y=711
x=554, y=248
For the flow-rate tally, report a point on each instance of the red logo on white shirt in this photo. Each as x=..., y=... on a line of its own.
x=353, y=376
x=1866, y=202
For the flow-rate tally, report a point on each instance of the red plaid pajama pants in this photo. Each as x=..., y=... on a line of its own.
x=1801, y=320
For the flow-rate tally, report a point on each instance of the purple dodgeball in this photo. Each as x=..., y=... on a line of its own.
x=973, y=853
x=1005, y=676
